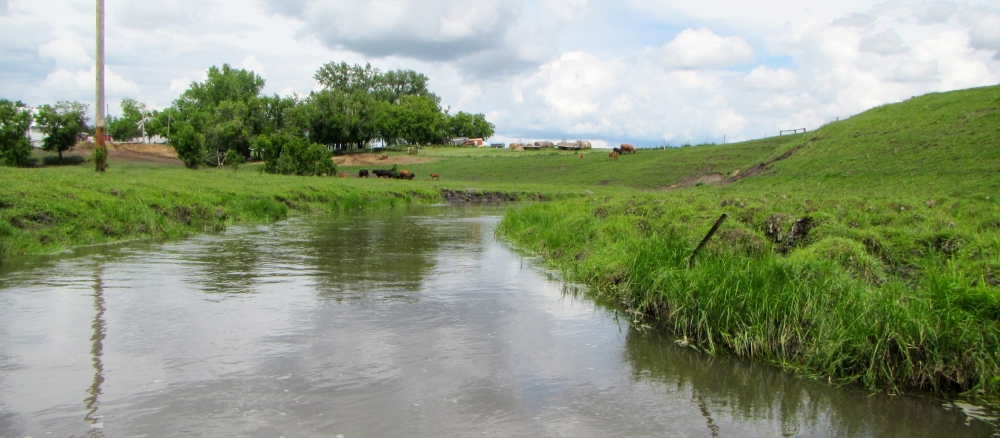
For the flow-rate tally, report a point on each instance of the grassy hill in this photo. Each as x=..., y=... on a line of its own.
x=870, y=253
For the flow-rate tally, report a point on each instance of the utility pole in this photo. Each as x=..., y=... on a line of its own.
x=101, y=153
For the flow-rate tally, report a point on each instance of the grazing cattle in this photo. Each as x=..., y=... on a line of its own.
x=363, y=174
x=628, y=149
x=403, y=173
x=617, y=151
x=613, y=155
x=436, y=176
x=344, y=175
x=408, y=175
x=581, y=155
x=381, y=173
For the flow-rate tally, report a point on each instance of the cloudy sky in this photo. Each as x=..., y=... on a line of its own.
x=639, y=71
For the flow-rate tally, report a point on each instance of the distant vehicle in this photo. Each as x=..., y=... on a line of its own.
x=496, y=145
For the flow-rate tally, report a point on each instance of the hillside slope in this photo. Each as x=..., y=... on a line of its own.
x=869, y=253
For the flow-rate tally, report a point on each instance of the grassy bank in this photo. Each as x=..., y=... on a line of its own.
x=50, y=209
x=891, y=279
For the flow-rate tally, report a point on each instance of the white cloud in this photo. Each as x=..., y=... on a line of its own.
x=67, y=53
x=854, y=20
x=432, y=30
x=76, y=84
x=763, y=78
x=916, y=71
x=703, y=48
x=883, y=43
x=984, y=29
x=937, y=12
x=588, y=69
x=141, y=14
x=251, y=63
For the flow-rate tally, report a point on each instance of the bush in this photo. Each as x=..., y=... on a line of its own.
x=189, y=144
x=288, y=155
x=233, y=159
x=15, y=119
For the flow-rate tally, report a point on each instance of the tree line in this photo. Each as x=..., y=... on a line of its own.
x=227, y=118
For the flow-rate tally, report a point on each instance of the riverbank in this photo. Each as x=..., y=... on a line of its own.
x=867, y=251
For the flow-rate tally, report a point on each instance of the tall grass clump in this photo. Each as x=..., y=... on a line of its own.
x=888, y=303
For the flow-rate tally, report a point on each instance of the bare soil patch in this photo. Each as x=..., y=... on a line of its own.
x=131, y=152
x=373, y=160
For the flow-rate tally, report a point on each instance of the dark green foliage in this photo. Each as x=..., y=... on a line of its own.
x=416, y=119
x=468, y=125
x=290, y=155
x=62, y=124
x=190, y=145
x=15, y=121
x=125, y=128
x=233, y=159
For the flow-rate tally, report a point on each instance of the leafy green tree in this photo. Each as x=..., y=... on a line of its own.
x=126, y=127
x=416, y=119
x=226, y=108
x=291, y=155
x=189, y=144
x=15, y=121
x=62, y=124
x=470, y=125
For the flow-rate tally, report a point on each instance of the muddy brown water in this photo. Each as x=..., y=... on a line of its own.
x=403, y=323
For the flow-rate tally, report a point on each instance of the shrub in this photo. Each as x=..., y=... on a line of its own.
x=189, y=144
x=289, y=155
x=233, y=159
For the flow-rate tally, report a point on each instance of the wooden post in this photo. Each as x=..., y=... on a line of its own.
x=101, y=153
x=711, y=233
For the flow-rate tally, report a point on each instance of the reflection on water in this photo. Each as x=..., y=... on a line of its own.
x=411, y=322
x=96, y=352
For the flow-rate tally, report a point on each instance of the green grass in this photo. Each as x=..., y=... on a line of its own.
x=895, y=286
x=49, y=209
x=647, y=169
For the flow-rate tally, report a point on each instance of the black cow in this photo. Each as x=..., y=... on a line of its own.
x=408, y=176
x=618, y=151
x=363, y=174
x=381, y=173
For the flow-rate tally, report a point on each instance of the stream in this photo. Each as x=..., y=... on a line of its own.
x=394, y=323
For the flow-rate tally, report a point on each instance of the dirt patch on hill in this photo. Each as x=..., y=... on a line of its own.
x=721, y=179
x=373, y=160
x=131, y=152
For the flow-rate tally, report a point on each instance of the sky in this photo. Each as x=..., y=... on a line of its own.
x=645, y=72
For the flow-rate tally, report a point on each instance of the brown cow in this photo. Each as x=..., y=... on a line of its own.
x=344, y=175
x=613, y=155
x=581, y=155
x=404, y=172
x=627, y=149
x=436, y=176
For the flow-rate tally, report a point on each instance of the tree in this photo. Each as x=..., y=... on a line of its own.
x=417, y=119
x=15, y=121
x=126, y=127
x=470, y=125
x=62, y=124
x=189, y=144
x=291, y=155
x=226, y=108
